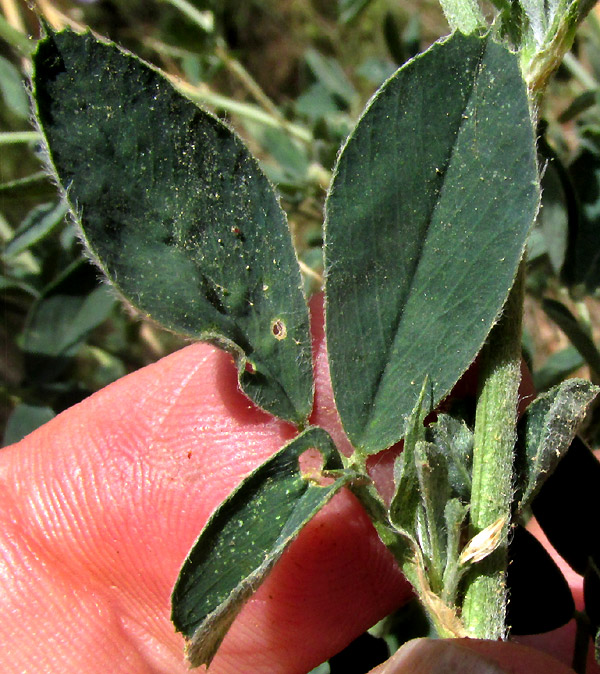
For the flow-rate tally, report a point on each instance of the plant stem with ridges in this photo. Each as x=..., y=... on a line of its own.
x=484, y=606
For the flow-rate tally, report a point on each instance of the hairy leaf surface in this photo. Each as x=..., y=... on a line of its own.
x=177, y=213
x=546, y=431
x=430, y=206
x=244, y=538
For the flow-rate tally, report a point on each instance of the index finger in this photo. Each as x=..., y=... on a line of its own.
x=99, y=508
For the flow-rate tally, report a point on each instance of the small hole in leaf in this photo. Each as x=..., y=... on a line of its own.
x=250, y=367
x=310, y=463
x=278, y=329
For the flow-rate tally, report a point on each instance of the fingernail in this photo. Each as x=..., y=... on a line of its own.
x=437, y=656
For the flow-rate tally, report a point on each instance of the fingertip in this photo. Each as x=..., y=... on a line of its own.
x=469, y=656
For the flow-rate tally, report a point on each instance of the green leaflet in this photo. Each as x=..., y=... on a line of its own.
x=407, y=503
x=430, y=206
x=546, y=431
x=538, y=16
x=577, y=333
x=42, y=220
x=58, y=323
x=177, y=213
x=12, y=90
x=456, y=442
x=463, y=15
x=349, y=9
x=432, y=484
x=557, y=367
x=584, y=258
x=244, y=538
x=331, y=75
x=24, y=419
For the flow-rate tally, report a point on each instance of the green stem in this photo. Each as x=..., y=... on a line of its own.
x=583, y=76
x=577, y=334
x=538, y=67
x=244, y=110
x=371, y=500
x=377, y=512
x=12, y=137
x=204, y=20
x=250, y=84
x=484, y=607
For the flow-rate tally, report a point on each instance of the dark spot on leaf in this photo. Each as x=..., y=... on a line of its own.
x=237, y=232
x=209, y=291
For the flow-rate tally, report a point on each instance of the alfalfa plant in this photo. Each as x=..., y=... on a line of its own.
x=433, y=197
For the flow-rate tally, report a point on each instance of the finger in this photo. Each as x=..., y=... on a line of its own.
x=99, y=508
x=469, y=656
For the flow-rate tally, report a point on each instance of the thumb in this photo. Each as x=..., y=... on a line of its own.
x=469, y=656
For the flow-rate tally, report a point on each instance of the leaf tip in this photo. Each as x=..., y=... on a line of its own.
x=202, y=646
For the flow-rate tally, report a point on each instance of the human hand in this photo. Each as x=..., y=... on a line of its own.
x=99, y=507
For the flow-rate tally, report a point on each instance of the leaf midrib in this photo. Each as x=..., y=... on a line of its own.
x=387, y=362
